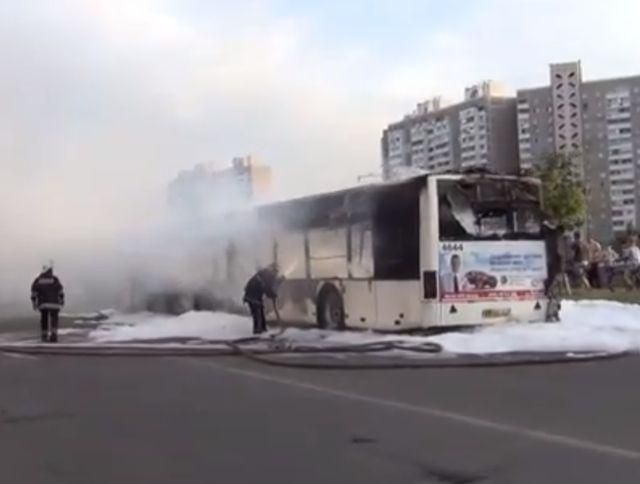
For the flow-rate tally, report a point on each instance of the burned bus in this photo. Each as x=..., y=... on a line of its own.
x=434, y=250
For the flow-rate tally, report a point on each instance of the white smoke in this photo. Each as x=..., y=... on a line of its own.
x=103, y=102
x=174, y=248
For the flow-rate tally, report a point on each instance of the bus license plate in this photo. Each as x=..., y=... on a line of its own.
x=496, y=313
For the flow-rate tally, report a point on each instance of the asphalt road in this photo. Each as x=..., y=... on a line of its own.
x=227, y=420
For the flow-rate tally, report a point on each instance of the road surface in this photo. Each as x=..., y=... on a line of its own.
x=229, y=420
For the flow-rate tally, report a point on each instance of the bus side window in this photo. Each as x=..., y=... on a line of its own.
x=396, y=238
x=275, y=251
x=361, y=250
x=328, y=252
x=231, y=259
x=291, y=254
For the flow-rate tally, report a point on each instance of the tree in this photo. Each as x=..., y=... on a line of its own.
x=562, y=191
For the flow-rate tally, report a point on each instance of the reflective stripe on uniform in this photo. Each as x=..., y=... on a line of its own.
x=45, y=280
x=49, y=306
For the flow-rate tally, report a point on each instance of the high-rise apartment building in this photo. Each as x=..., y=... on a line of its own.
x=205, y=190
x=477, y=132
x=599, y=123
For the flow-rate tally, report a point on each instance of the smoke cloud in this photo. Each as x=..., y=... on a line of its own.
x=105, y=101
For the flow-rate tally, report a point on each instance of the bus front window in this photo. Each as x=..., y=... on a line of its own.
x=488, y=209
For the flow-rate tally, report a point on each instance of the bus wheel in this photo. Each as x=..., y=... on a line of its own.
x=330, y=308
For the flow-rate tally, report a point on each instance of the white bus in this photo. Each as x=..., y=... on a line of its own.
x=434, y=250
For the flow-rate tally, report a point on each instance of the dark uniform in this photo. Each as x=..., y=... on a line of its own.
x=47, y=296
x=262, y=283
x=552, y=236
x=555, y=268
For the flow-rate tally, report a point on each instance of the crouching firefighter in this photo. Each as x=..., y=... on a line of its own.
x=263, y=283
x=47, y=296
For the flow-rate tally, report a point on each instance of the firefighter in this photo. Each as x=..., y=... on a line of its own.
x=262, y=283
x=556, y=268
x=47, y=296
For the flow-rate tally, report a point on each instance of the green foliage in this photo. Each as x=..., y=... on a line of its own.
x=631, y=230
x=563, y=193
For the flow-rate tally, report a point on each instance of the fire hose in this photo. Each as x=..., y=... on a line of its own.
x=281, y=352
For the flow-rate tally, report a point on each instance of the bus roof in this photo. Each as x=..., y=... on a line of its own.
x=318, y=208
x=383, y=186
x=369, y=187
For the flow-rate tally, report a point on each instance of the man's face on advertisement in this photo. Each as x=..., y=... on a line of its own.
x=455, y=263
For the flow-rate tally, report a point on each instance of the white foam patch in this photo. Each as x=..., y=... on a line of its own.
x=147, y=326
x=585, y=326
x=96, y=315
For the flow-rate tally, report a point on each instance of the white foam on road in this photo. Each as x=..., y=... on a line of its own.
x=585, y=326
x=146, y=326
x=93, y=316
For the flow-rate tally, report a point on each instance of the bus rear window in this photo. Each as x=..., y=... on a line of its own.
x=488, y=209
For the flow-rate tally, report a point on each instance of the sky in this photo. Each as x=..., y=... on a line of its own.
x=102, y=102
x=105, y=100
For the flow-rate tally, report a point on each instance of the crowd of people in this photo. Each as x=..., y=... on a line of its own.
x=589, y=264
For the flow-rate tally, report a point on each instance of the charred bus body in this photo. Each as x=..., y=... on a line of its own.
x=441, y=250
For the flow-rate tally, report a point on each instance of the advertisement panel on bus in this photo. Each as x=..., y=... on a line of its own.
x=483, y=270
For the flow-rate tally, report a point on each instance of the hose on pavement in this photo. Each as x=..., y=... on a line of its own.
x=280, y=352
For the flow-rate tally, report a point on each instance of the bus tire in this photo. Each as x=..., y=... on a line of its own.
x=330, y=308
